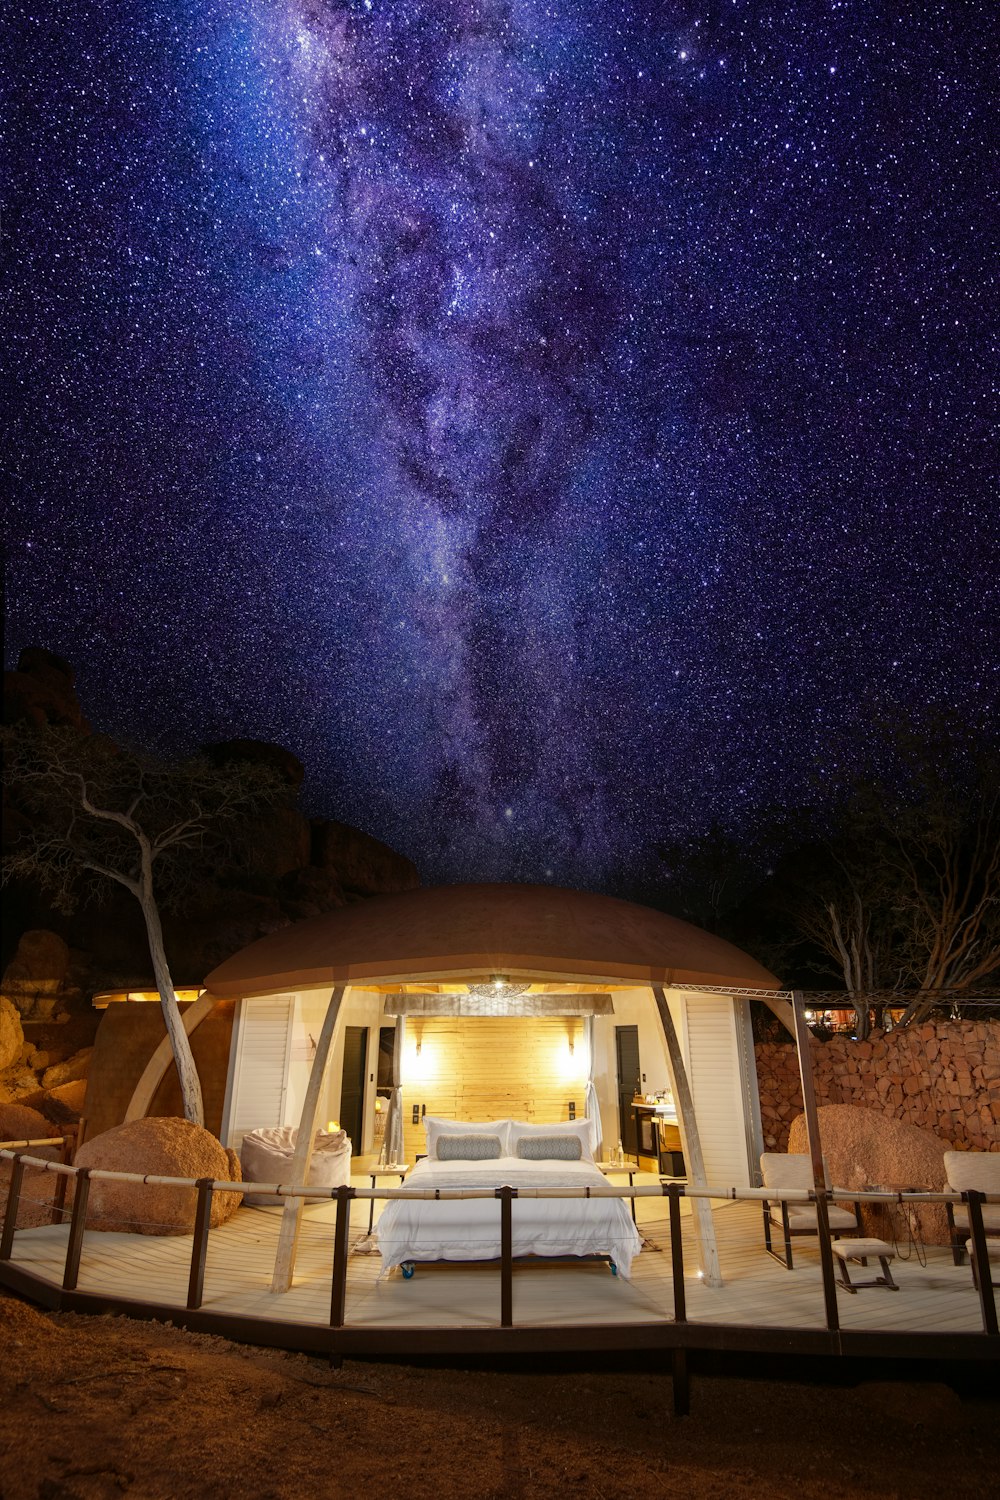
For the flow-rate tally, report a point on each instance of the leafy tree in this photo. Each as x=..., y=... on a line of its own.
x=93, y=814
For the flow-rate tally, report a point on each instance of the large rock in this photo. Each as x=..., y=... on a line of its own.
x=11, y=1033
x=41, y=691
x=70, y=1071
x=866, y=1148
x=62, y=1105
x=362, y=864
x=17, y=1123
x=257, y=753
x=162, y=1148
x=36, y=975
x=281, y=840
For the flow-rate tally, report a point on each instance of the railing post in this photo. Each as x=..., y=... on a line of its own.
x=506, y=1196
x=981, y=1256
x=803, y=1042
x=77, y=1223
x=673, y=1193
x=199, y=1245
x=679, y=1355
x=341, y=1241
x=13, y=1203
x=59, y=1195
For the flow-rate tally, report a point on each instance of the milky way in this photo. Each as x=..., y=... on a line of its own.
x=564, y=425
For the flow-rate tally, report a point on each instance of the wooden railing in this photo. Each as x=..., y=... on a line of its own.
x=344, y=1196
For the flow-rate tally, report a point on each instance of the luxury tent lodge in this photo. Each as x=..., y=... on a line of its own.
x=486, y=1067
x=516, y=1001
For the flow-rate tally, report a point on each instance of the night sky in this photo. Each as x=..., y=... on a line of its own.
x=564, y=425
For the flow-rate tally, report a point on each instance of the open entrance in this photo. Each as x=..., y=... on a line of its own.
x=629, y=1084
x=352, y=1087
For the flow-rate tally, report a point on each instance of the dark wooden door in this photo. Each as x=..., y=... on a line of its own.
x=352, y=1084
x=627, y=1055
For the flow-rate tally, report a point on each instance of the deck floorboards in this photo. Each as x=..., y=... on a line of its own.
x=757, y=1292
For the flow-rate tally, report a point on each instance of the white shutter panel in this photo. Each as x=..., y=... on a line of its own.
x=261, y=1066
x=717, y=1085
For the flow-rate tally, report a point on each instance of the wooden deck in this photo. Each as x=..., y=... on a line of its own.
x=758, y=1294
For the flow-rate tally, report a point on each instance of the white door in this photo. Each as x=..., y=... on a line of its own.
x=258, y=1067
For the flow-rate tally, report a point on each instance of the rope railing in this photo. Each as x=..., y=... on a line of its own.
x=608, y=1190
x=345, y=1195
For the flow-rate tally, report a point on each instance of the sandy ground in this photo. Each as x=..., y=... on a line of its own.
x=92, y=1408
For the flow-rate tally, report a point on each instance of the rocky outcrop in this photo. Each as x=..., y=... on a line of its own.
x=11, y=1034
x=41, y=691
x=363, y=865
x=257, y=753
x=867, y=1148
x=35, y=980
x=62, y=1105
x=288, y=868
x=73, y=1070
x=162, y=1147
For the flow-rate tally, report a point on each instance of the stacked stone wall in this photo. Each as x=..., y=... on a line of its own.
x=942, y=1076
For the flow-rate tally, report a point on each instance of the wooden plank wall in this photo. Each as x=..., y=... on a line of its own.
x=485, y=1069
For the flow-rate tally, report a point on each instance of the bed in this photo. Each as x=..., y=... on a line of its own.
x=509, y=1153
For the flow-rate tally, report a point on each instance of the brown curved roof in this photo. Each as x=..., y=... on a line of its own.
x=454, y=932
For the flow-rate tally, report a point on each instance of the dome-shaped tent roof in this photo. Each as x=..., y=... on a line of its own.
x=455, y=932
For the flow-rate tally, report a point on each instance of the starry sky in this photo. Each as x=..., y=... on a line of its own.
x=565, y=424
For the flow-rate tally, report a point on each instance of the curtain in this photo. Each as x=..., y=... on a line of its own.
x=393, y=1144
x=592, y=1110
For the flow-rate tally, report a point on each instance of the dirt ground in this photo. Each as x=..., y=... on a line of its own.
x=94, y=1408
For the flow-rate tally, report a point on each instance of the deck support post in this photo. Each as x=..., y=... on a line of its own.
x=77, y=1224
x=291, y=1218
x=701, y=1209
x=199, y=1244
x=803, y=1043
x=506, y=1196
x=13, y=1203
x=682, y=1382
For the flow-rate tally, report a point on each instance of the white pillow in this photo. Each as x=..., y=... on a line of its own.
x=583, y=1130
x=434, y=1126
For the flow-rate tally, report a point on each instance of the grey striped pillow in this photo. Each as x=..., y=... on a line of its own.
x=549, y=1148
x=468, y=1147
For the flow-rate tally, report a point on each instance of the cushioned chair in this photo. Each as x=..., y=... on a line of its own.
x=794, y=1170
x=266, y=1156
x=965, y=1170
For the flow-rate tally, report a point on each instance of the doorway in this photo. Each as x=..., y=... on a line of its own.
x=352, y=1084
x=629, y=1084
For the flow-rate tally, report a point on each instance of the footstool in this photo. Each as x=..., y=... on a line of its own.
x=862, y=1250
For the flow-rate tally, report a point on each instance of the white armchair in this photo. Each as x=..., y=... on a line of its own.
x=965, y=1170
x=794, y=1170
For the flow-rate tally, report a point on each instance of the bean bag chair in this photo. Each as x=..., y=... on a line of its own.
x=266, y=1156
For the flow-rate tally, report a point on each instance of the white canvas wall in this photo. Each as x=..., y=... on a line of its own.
x=257, y=1086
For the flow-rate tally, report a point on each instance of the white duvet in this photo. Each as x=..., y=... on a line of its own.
x=469, y=1228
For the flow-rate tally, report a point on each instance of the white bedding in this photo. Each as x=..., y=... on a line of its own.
x=469, y=1228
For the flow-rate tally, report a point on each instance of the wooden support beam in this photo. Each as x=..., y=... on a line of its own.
x=291, y=1218
x=803, y=1044
x=701, y=1209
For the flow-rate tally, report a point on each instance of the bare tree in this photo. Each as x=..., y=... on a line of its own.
x=905, y=896
x=93, y=813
